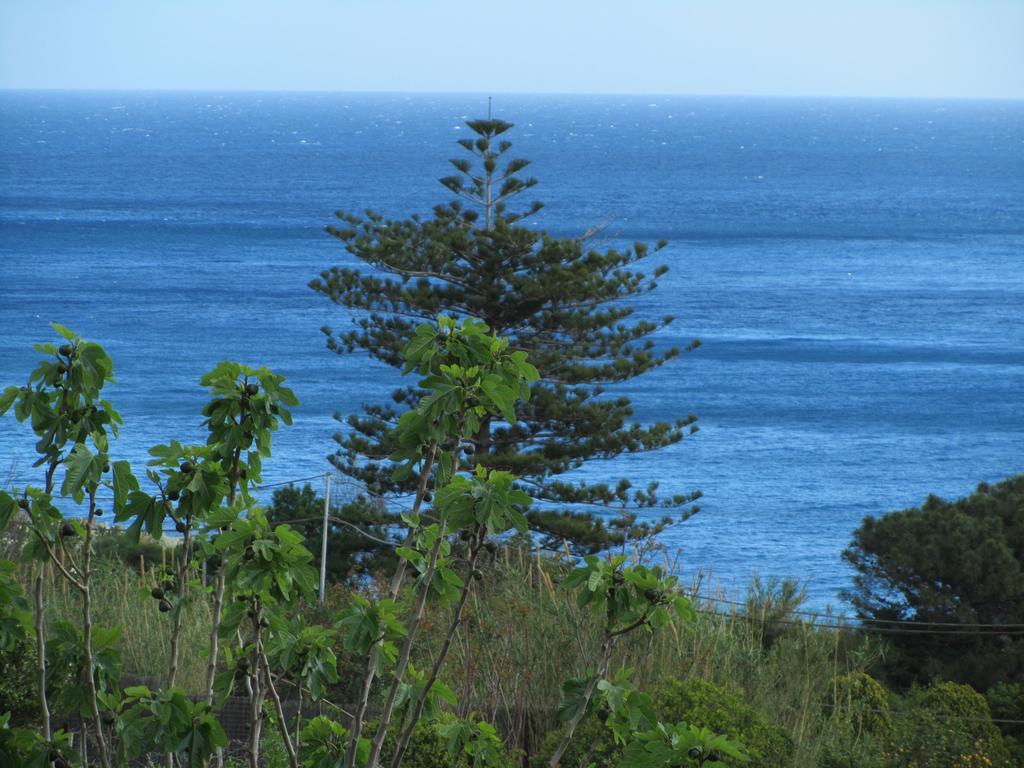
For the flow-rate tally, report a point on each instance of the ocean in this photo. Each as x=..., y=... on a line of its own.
x=854, y=268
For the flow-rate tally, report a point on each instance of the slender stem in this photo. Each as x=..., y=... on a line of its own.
x=399, y=578
x=256, y=699
x=182, y=593
x=218, y=592
x=94, y=706
x=604, y=658
x=442, y=655
x=282, y=723
x=44, y=707
x=406, y=652
x=370, y=665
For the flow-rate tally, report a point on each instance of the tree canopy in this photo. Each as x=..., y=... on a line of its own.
x=564, y=302
x=948, y=563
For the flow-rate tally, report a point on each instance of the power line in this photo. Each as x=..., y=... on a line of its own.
x=962, y=625
x=873, y=630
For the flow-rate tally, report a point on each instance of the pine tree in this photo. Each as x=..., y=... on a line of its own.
x=561, y=300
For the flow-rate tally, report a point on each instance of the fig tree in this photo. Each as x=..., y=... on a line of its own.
x=187, y=467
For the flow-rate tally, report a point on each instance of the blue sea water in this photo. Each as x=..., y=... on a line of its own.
x=855, y=269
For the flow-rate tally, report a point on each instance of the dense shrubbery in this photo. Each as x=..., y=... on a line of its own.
x=947, y=725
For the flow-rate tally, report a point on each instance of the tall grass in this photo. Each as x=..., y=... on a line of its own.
x=121, y=598
x=524, y=636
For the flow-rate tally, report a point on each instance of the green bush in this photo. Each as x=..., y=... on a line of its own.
x=697, y=702
x=591, y=744
x=701, y=703
x=861, y=726
x=116, y=545
x=18, y=684
x=864, y=703
x=1006, y=701
x=947, y=725
x=426, y=748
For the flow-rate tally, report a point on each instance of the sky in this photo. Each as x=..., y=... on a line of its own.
x=897, y=48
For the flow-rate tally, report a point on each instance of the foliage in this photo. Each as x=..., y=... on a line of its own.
x=953, y=562
x=359, y=547
x=115, y=544
x=26, y=748
x=17, y=682
x=261, y=574
x=562, y=302
x=771, y=606
x=864, y=703
x=170, y=723
x=706, y=705
x=1006, y=702
x=947, y=725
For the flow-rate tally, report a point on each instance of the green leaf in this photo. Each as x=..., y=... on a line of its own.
x=7, y=398
x=64, y=331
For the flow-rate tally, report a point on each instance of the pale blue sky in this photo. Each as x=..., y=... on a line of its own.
x=972, y=48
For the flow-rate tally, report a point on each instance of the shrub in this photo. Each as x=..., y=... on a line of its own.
x=696, y=702
x=1006, y=701
x=861, y=724
x=704, y=704
x=428, y=749
x=18, y=683
x=115, y=545
x=947, y=726
x=864, y=703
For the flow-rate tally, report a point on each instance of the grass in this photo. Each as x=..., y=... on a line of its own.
x=523, y=635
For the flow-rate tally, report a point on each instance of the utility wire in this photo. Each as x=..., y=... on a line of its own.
x=962, y=625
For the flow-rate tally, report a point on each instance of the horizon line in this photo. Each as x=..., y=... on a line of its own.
x=616, y=94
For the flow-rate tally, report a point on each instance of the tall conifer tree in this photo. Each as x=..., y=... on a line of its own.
x=561, y=300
